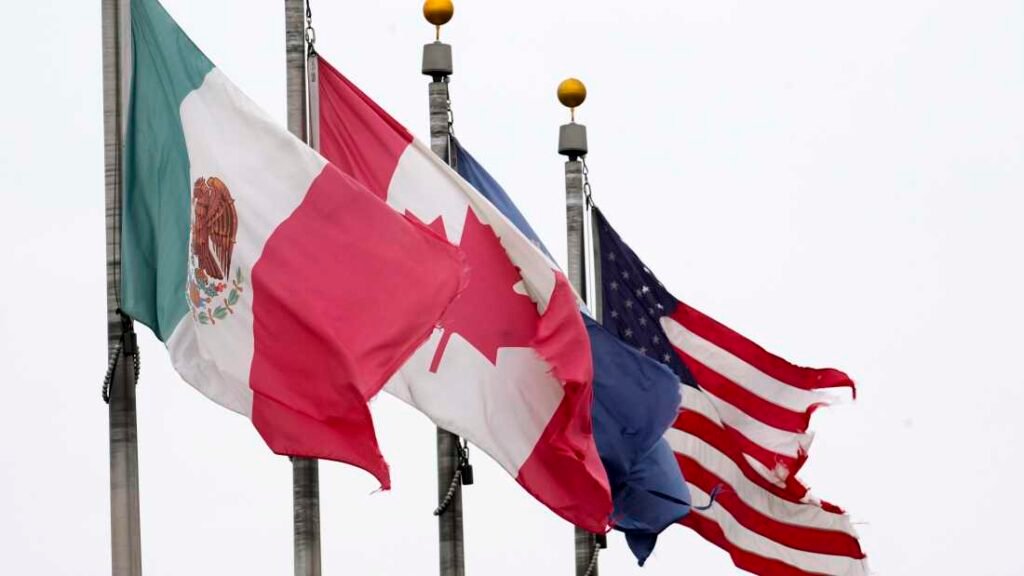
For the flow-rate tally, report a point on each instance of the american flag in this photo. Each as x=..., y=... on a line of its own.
x=744, y=426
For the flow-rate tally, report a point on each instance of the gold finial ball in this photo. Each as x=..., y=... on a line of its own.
x=438, y=12
x=571, y=92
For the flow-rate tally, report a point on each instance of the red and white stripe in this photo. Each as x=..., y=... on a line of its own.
x=746, y=429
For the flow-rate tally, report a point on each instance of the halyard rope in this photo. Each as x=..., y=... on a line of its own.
x=450, y=495
x=593, y=558
x=463, y=450
x=115, y=353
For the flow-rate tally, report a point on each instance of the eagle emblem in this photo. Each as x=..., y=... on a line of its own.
x=213, y=287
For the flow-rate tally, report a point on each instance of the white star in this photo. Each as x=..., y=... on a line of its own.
x=643, y=321
x=666, y=357
x=660, y=307
x=615, y=313
x=628, y=333
x=656, y=339
x=625, y=275
x=645, y=289
x=643, y=349
x=614, y=285
x=650, y=311
x=629, y=303
x=611, y=257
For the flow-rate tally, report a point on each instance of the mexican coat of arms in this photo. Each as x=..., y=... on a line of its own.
x=213, y=286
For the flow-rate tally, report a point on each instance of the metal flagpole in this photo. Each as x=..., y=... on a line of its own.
x=305, y=471
x=452, y=468
x=572, y=142
x=122, y=367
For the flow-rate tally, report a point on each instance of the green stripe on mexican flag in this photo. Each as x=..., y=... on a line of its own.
x=283, y=289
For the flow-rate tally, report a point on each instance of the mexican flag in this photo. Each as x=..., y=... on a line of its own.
x=283, y=289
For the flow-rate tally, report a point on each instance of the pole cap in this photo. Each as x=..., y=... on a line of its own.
x=437, y=60
x=572, y=140
x=438, y=12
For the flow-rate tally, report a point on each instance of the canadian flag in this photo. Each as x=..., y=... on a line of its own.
x=509, y=366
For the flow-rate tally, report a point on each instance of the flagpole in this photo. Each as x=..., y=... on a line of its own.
x=572, y=143
x=119, y=383
x=305, y=471
x=437, y=63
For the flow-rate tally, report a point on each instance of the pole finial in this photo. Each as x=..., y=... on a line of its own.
x=572, y=93
x=438, y=13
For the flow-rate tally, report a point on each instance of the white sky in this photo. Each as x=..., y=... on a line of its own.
x=841, y=181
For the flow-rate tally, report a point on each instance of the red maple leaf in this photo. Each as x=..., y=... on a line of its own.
x=489, y=314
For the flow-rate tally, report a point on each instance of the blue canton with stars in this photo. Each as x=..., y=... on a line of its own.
x=633, y=300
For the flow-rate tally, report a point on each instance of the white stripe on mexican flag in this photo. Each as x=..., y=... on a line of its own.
x=227, y=137
x=283, y=289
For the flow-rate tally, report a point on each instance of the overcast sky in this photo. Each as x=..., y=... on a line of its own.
x=841, y=181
